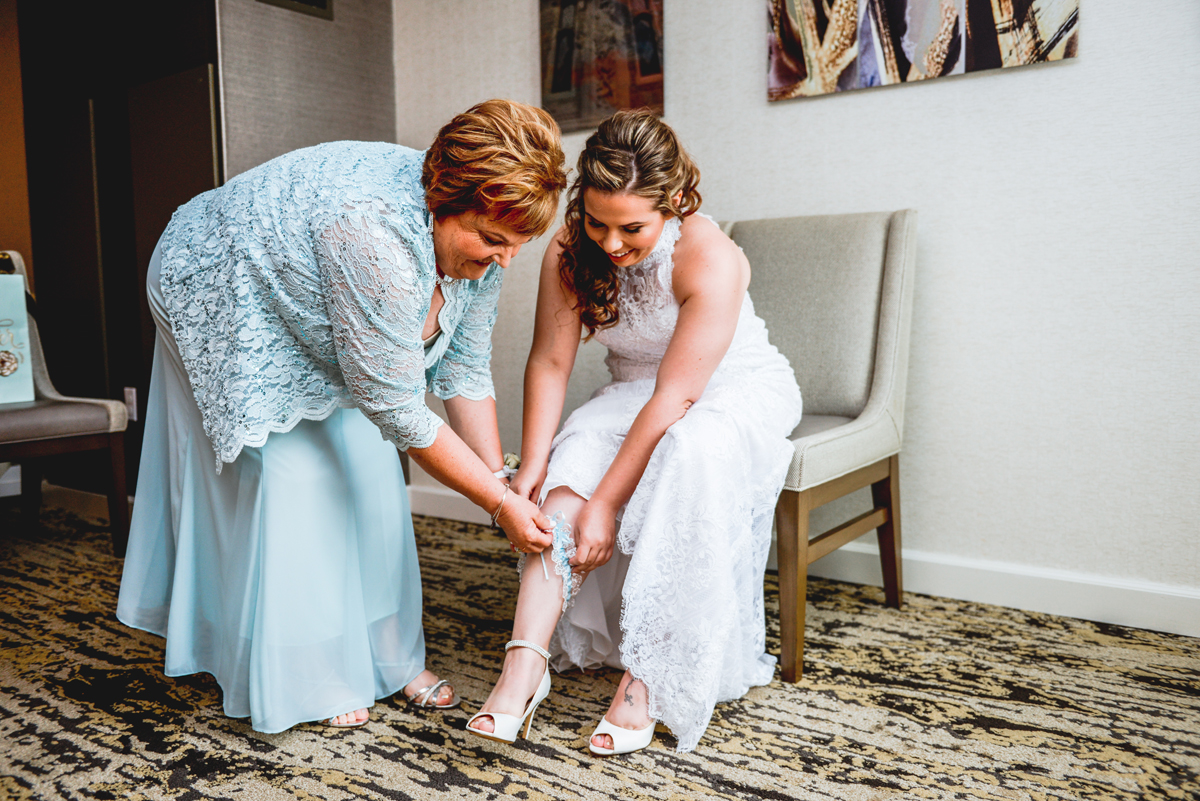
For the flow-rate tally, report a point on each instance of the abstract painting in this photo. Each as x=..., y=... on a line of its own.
x=816, y=47
x=599, y=56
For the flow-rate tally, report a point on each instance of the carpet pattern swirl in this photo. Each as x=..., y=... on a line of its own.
x=942, y=699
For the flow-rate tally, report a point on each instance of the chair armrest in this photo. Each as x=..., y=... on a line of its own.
x=833, y=453
x=118, y=415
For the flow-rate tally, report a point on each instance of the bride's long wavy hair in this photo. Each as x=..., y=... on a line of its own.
x=632, y=151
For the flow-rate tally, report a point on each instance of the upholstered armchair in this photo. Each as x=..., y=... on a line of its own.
x=53, y=423
x=836, y=294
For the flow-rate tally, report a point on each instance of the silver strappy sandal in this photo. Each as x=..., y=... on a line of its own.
x=426, y=697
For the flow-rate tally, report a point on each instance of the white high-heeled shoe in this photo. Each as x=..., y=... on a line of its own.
x=625, y=741
x=505, y=727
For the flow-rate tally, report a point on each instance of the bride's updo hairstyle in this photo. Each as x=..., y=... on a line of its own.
x=635, y=152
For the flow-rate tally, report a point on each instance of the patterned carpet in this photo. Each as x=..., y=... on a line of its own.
x=944, y=699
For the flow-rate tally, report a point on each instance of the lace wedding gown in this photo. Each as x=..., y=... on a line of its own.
x=680, y=604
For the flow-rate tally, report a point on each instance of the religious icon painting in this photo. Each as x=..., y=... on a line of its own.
x=817, y=47
x=599, y=56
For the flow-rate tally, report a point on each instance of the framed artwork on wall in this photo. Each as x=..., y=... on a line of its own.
x=817, y=47
x=599, y=56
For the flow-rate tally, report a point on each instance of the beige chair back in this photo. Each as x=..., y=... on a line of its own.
x=818, y=283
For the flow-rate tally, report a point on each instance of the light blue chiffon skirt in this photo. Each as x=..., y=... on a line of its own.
x=291, y=577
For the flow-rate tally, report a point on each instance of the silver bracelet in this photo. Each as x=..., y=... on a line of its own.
x=496, y=513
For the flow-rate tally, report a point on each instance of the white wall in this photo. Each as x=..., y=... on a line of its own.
x=1052, y=443
x=290, y=80
x=448, y=59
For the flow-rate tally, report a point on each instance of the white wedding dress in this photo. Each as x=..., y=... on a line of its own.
x=680, y=604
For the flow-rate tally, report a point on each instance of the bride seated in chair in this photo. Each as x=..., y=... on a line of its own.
x=663, y=485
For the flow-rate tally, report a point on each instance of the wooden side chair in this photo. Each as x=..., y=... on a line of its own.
x=836, y=294
x=53, y=423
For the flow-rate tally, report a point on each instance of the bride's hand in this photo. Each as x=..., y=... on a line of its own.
x=524, y=524
x=527, y=483
x=595, y=536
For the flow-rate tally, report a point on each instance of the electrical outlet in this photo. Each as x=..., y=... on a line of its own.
x=131, y=402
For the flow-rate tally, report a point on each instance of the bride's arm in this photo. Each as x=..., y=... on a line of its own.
x=710, y=278
x=556, y=336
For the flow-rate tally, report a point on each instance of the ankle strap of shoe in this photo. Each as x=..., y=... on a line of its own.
x=527, y=644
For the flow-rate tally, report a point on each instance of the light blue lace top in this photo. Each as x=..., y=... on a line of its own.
x=302, y=286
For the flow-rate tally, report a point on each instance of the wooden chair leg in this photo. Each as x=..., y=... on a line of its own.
x=31, y=492
x=118, y=497
x=886, y=494
x=791, y=526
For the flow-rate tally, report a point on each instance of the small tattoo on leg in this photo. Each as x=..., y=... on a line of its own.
x=628, y=697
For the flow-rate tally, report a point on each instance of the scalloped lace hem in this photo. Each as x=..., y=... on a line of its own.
x=282, y=428
x=316, y=415
x=463, y=393
x=234, y=449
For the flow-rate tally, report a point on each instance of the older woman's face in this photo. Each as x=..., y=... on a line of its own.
x=466, y=244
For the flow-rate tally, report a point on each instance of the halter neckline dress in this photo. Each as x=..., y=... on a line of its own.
x=680, y=604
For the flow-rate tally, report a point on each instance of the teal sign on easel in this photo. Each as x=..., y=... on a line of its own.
x=16, y=364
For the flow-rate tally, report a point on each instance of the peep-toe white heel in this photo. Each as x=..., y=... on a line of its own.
x=505, y=727
x=625, y=741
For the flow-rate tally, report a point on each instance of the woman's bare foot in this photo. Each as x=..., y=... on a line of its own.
x=428, y=679
x=519, y=679
x=354, y=718
x=630, y=709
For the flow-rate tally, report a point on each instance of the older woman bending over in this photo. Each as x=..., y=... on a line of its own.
x=303, y=309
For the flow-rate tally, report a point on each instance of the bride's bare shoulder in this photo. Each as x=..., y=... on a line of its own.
x=702, y=235
x=701, y=239
x=705, y=257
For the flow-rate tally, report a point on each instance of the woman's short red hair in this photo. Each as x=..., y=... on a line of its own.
x=499, y=158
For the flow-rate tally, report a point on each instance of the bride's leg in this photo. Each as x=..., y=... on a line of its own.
x=630, y=709
x=539, y=606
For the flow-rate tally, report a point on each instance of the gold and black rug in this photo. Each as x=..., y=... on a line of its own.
x=943, y=699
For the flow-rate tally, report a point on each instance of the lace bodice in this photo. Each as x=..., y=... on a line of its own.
x=647, y=312
x=302, y=286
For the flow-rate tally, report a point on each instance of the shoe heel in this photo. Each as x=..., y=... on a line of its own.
x=529, y=720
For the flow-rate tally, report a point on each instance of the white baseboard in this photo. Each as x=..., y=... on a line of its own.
x=1125, y=602
x=444, y=502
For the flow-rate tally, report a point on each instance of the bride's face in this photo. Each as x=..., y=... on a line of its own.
x=624, y=225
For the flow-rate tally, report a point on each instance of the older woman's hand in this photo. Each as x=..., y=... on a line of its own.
x=524, y=524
